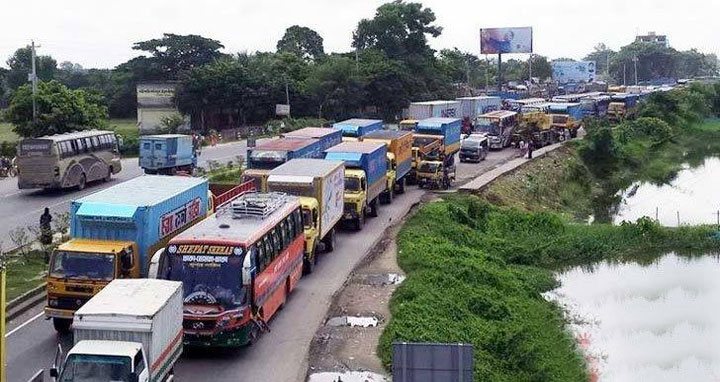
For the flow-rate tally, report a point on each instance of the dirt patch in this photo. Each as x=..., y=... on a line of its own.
x=339, y=347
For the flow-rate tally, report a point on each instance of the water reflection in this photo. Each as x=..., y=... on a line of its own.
x=656, y=322
x=693, y=193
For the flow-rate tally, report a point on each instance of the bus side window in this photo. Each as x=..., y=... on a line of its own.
x=291, y=226
x=298, y=221
x=88, y=145
x=260, y=260
x=284, y=233
x=80, y=146
x=96, y=143
x=268, y=251
x=277, y=244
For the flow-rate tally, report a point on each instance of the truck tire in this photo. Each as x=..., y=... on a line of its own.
x=309, y=264
x=360, y=222
x=401, y=186
x=374, y=208
x=390, y=194
x=62, y=325
x=330, y=241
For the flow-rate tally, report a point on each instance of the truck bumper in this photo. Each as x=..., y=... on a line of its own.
x=58, y=313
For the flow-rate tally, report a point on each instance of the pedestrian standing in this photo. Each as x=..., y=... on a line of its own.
x=46, y=231
x=530, y=148
x=521, y=146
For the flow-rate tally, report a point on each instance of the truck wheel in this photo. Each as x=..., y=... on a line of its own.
x=330, y=241
x=374, y=208
x=309, y=264
x=401, y=186
x=391, y=194
x=360, y=222
x=62, y=325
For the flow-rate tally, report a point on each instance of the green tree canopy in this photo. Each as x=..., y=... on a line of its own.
x=60, y=110
x=301, y=41
x=337, y=87
x=399, y=29
x=173, y=54
x=20, y=65
x=541, y=67
x=602, y=55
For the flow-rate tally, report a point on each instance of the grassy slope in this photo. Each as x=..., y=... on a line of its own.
x=21, y=277
x=470, y=279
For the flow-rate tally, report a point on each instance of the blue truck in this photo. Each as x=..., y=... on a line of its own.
x=573, y=109
x=328, y=137
x=167, y=154
x=365, y=178
x=356, y=128
x=448, y=128
x=115, y=233
x=270, y=154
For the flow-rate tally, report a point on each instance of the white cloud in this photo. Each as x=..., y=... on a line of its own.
x=100, y=33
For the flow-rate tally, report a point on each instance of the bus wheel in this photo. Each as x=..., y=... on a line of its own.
x=109, y=175
x=82, y=183
x=62, y=325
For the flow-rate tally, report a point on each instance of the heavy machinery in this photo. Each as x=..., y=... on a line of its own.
x=423, y=146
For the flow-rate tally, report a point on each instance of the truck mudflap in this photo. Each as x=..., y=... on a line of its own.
x=232, y=193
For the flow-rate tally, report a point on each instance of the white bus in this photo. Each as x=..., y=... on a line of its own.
x=67, y=160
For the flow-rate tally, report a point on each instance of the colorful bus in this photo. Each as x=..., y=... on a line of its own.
x=67, y=160
x=237, y=267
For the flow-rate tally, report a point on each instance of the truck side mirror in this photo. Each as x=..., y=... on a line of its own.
x=133, y=377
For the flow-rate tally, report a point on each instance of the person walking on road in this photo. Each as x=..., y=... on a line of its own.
x=530, y=148
x=45, y=220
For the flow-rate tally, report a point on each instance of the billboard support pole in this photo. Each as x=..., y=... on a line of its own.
x=500, y=73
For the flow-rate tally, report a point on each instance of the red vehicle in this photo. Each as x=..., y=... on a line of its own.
x=237, y=267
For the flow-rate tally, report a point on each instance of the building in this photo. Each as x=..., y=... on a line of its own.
x=155, y=102
x=653, y=38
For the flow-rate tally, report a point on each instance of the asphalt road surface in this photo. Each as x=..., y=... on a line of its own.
x=280, y=355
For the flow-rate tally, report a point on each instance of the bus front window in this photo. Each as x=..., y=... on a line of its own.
x=83, y=265
x=209, y=279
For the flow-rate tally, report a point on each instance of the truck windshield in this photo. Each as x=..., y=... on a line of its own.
x=208, y=279
x=352, y=184
x=96, y=368
x=429, y=167
x=83, y=265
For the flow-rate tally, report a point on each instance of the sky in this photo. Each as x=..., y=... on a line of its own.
x=99, y=34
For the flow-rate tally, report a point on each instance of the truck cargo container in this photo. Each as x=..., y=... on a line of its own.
x=399, y=156
x=328, y=137
x=574, y=110
x=622, y=106
x=472, y=107
x=437, y=109
x=273, y=153
x=115, y=232
x=130, y=331
x=365, y=177
x=167, y=154
x=448, y=128
x=356, y=127
x=320, y=184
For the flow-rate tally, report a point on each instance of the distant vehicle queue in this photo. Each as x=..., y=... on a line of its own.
x=240, y=250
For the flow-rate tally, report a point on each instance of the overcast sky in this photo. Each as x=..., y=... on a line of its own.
x=100, y=33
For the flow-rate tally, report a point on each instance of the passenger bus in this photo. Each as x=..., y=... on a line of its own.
x=499, y=126
x=67, y=160
x=237, y=267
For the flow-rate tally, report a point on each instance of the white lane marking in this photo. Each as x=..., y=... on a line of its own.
x=25, y=324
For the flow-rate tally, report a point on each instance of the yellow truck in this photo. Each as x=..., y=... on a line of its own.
x=424, y=145
x=320, y=185
x=114, y=235
x=399, y=158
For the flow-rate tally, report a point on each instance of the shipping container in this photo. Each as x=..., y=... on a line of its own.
x=471, y=107
x=328, y=137
x=574, y=110
x=356, y=127
x=448, y=128
x=143, y=311
x=144, y=210
x=399, y=144
x=369, y=157
x=323, y=180
x=273, y=153
x=167, y=152
x=430, y=109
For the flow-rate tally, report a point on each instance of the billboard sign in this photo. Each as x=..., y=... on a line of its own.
x=282, y=109
x=156, y=94
x=506, y=40
x=566, y=72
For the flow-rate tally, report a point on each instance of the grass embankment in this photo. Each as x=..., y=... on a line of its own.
x=476, y=273
x=24, y=275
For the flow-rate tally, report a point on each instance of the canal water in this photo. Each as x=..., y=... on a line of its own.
x=657, y=322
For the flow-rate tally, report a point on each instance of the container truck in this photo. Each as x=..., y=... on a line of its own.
x=167, y=154
x=365, y=178
x=408, y=124
x=472, y=107
x=130, y=331
x=622, y=106
x=430, y=109
x=114, y=234
x=499, y=125
x=320, y=184
x=565, y=118
x=448, y=128
x=424, y=146
x=328, y=137
x=356, y=127
x=270, y=154
x=399, y=158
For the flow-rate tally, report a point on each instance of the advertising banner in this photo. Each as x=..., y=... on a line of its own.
x=156, y=95
x=565, y=72
x=506, y=40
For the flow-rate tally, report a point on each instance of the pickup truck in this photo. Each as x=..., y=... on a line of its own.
x=114, y=232
x=365, y=178
x=399, y=157
x=130, y=331
x=320, y=184
x=167, y=154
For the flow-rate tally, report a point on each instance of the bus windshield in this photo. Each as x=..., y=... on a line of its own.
x=488, y=126
x=83, y=265
x=208, y=279
x=96, y=368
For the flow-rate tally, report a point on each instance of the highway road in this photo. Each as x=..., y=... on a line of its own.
x=24, y=207
x=280, y=355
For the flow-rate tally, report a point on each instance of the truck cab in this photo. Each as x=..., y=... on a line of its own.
x=391, y=176
x=80, y=268
x=104, y=361
x=258, y=177
x=437, y=174
x=355, y=197
x=311, y=222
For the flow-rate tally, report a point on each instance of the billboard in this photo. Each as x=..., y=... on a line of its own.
x=566, y=72
x=156, y=94
x=506, y=40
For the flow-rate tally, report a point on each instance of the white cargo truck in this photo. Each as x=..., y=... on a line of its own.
x=130, y=331
x=320, y=184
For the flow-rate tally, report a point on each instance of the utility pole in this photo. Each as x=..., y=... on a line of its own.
x=500, y=73
x=33, y=78
x=530, y=63
x=635, y=61
x=3, y=356
x=624, y=74
x=487, y=73
x=357, y=62
x=287, y=96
